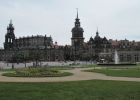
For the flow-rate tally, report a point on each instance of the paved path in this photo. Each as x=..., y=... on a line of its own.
x=78, y=75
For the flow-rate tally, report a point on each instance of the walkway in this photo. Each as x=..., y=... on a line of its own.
x=78, y=75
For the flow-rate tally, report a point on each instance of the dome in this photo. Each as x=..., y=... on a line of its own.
x=97, y=37
x=104, y=39
x=77, y=29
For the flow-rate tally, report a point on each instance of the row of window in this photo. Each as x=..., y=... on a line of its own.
x=129, y=58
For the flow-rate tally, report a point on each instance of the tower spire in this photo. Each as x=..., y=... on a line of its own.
x=77, y=23
x=10, y=21
x=77, y=13
x=97, y=33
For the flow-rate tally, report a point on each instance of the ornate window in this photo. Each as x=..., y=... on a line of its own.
x=128, y=57
x=121, y=58
x=136, y=58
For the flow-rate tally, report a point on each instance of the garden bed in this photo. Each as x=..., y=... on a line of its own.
x=36, y=72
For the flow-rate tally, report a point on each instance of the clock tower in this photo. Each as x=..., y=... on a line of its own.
x=77, y=39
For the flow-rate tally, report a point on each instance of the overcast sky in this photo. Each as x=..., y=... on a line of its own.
x=115, y=19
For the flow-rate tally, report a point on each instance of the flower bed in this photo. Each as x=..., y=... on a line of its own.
x=36, y=72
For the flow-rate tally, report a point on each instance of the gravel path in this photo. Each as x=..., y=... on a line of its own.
x=78, y=75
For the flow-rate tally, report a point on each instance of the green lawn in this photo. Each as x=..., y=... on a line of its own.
x=80, y=90
x=131, y=72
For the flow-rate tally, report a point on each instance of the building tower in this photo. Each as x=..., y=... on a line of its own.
x=9, y=37
x=77, y=39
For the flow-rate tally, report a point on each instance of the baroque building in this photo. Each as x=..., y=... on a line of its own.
x=99, y=45
x=32, y=42
x=77, y=40
x=41, y=48
x=77, y=34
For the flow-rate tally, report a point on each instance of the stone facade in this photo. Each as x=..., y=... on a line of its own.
x=33, y=42
x=42, y=48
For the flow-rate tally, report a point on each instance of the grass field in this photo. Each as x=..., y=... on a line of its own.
x=130, y=72
x=80, y=90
